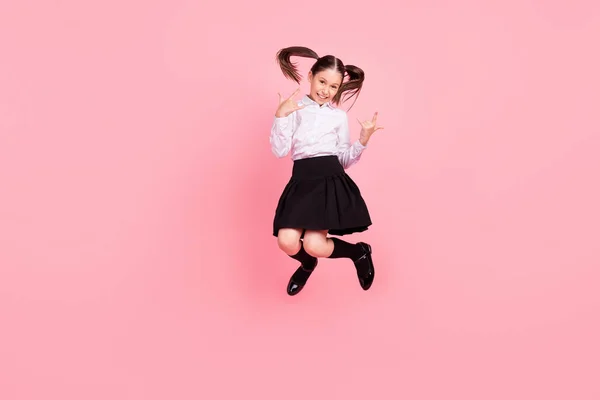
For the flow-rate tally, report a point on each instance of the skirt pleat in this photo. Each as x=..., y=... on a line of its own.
x=321, y=196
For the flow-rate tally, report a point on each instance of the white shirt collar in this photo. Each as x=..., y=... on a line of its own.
x=307, y=101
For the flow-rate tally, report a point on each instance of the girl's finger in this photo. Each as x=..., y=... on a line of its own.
x=295, y=93
x=374, y=118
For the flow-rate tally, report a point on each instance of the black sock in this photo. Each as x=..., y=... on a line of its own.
x=343, y=249
x=306, y=259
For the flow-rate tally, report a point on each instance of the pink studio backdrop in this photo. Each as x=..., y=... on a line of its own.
x=138, y=189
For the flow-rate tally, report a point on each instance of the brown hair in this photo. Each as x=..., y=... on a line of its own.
x=348, y=89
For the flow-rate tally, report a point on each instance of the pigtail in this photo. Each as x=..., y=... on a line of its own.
x=352, y=86
x=290, y=69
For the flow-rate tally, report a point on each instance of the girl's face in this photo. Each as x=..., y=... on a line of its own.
x=324, y=85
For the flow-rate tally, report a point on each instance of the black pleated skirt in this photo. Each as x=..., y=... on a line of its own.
x=321, y=196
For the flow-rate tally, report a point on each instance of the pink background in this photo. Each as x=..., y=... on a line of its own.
x=136, y=253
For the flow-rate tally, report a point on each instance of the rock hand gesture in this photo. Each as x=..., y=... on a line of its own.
x=368, y=128
x=287, y=106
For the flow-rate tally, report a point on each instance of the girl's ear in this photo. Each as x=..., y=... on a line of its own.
x=310, y=76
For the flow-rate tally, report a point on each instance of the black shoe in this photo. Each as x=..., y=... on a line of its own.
x=299, y=278
x=364, y=267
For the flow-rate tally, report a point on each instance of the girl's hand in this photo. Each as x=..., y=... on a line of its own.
x=288, y=106
x=368, y=128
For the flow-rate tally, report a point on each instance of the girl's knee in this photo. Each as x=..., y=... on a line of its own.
x=289, y=242
x=315, y=245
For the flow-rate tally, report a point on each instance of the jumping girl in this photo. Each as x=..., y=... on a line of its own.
x=320, y=199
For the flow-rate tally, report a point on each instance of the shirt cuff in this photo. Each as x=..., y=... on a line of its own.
x=359, y=146
x=282, y=122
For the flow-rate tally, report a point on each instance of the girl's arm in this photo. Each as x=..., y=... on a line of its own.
x=282, y=130
x=284, y=125
x=348, y=154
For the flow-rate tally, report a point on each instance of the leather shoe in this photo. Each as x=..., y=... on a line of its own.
x=299, y=278
x=365, y=270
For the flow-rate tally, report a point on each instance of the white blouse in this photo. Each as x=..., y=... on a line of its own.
x=315, y=131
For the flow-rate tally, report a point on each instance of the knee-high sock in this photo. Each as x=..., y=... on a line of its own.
x=344, y=249
x=306, y=259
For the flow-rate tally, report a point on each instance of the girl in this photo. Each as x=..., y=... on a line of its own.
x=320, y=198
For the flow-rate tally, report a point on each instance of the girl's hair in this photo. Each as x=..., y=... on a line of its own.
x=348, y=89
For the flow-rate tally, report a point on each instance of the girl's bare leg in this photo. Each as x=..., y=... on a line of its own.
x=288, y=240
x=317, y=244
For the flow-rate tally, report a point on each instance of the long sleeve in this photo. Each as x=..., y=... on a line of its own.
x=282, y=131
x=348, y=154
